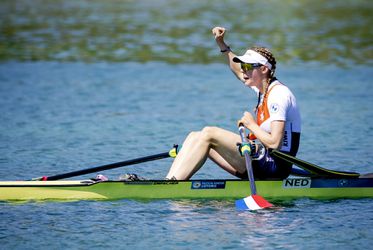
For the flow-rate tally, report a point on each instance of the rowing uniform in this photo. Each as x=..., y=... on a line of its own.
x=278, y=104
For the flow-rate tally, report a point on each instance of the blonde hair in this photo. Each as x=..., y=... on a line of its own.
x=272, y=60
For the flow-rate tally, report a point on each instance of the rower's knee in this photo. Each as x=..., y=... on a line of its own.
x=193, y=135
x=209, y=133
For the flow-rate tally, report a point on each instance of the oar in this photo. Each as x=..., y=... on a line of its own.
x=171, y=153
x=312, y=168
x=254, y=201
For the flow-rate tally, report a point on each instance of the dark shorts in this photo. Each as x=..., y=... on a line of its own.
x=269, y=168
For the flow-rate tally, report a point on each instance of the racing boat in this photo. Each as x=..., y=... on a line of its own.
x=290, y=188
x=315, y=183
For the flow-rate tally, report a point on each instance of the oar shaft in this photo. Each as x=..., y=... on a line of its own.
x=249, y=168
x=109, y=166
x=314, y=169
x=171, y=153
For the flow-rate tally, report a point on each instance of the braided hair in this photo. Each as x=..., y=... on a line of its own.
x=269, y=56
x=272, y=60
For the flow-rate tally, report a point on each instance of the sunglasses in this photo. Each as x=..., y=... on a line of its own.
x=249, y=66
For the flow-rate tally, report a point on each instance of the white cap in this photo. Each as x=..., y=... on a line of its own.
x=252, y=56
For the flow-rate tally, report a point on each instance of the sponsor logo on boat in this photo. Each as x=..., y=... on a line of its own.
x=296, y=183
x=343, y=183
x=160, y=182
x=208, y=184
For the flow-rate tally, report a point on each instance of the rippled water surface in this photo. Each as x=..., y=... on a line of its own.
x=337, y=32
x=186, y=225
x=87, y=83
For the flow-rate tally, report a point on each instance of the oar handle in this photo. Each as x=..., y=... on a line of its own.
x=241, y=129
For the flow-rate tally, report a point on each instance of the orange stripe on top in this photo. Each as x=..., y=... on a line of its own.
x=262, y=113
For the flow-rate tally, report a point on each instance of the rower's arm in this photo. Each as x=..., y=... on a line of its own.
x=270, y=140
x=235, y=67
x=219, y=33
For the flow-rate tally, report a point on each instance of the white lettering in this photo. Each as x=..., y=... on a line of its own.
x=285, y=141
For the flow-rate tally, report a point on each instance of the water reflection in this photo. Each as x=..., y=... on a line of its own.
x=336, y=32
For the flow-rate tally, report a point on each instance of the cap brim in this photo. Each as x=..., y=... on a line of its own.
x=244, y=59
x=252, y=57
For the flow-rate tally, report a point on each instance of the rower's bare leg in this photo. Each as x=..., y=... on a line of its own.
x=197, y=147
x=191, y=157
x=221, y=162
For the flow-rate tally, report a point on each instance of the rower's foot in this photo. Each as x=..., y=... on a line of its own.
x=100, y=177
x=131, y=177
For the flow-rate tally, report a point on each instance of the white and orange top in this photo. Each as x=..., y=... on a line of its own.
x=279, y=104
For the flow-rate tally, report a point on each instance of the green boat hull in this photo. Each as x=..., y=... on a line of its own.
x=292, y=188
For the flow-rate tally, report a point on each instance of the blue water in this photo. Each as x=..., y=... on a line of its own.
x=58, y=117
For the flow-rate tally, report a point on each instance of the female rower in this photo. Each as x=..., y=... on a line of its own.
x=278, y=123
